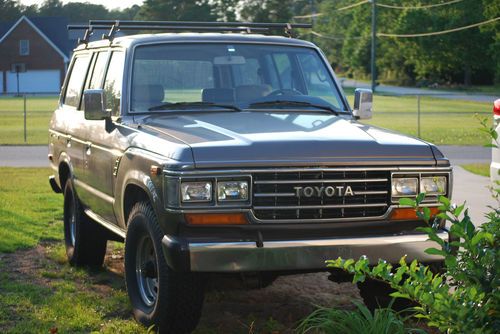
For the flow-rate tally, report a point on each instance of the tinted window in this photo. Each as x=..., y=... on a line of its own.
x=113, y=83
x=99, y=69
x=75, y=83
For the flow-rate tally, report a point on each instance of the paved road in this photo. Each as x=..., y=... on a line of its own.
x=468, y=187
x=395, y=90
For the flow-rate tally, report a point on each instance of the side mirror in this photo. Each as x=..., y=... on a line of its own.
x=94, y=105
x=363, y=99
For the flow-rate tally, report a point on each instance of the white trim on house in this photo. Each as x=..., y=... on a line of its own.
x=38, y=31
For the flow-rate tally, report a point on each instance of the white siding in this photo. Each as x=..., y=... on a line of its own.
x=43, y=81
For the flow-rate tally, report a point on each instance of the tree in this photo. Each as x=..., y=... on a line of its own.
x=177, y=10
x=9, y=10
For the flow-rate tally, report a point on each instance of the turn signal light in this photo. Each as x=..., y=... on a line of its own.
x=496, y=107
x=216, y=219
x=409, y=213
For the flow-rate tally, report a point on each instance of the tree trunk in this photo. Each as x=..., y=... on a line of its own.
x=467, y=75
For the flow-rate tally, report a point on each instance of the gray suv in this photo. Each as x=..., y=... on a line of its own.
x=231, y=151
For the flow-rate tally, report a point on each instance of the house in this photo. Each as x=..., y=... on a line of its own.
x=34, y=54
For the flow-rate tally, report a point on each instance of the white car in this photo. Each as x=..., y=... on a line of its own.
x=495, y=151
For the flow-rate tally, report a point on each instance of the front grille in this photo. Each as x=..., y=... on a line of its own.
x=275, y=198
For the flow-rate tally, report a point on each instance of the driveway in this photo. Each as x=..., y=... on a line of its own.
x=396, y=90
x=467, y=187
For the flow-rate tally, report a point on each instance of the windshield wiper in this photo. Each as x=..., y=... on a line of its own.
x=194, y=105
x=285, y=103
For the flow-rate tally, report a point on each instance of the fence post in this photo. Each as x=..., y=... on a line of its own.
x=418, y=116
x=24, y=98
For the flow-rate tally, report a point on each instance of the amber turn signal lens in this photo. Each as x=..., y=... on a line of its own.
x=216, y=219
x=409, y=213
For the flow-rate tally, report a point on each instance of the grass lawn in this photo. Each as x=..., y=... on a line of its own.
x=29, y=211
x=39, y=111
x=443, y=121
x=39, y=291
x=479, y=169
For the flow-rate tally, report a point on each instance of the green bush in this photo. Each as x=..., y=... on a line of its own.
x=466, y=297
x=361, y=320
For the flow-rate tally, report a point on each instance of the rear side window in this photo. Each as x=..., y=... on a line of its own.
x=99, y=69
x=113, y=83
x=76, y=80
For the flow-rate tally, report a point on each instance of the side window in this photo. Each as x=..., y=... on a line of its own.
x=99, y=69
x=76, y=80
x=113, y=82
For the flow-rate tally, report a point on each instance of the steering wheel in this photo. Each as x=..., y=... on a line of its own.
x=279, y=92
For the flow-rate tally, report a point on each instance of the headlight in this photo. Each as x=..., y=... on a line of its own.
x=434, y=185
x=232, y=190
x=196, y=191
x=404, y=186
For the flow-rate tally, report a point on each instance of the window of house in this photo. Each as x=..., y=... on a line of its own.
x=113, y=83
x=24, y=47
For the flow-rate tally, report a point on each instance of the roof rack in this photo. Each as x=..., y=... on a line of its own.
x=244, y=27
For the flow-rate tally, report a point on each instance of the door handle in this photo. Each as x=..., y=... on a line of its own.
x=88, y=149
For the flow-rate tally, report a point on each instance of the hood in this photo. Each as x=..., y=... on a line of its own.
x=263, y=139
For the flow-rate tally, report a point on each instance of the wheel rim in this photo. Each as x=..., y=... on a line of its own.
x=146, y=271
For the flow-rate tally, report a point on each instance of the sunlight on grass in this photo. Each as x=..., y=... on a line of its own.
x=29, y=210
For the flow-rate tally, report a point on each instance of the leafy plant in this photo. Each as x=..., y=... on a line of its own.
x=465, y=298
x=361, y=320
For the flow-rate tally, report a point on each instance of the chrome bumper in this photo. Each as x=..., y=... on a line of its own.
x=291, y=255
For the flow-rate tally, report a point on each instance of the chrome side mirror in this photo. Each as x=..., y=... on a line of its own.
x=363, y=99
x=94, y=105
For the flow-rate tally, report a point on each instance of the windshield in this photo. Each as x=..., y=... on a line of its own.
x=231, y=76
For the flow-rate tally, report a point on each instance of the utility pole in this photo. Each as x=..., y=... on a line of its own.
x=374, y=46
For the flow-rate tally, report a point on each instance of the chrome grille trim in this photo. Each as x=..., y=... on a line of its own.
x=319, y=181
x=333, y=206
x=382, y=192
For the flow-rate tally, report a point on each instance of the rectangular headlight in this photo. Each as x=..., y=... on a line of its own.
x=434, y=185
x=404, y=186
x=232, y=191
x=196, y=191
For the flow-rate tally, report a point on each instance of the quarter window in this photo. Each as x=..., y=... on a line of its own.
x=113, y=83
x=24, y=47
x=76, y=80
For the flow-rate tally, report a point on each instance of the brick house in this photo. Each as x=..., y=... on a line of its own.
x=34, y=54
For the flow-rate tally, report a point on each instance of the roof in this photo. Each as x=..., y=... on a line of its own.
x=52, y=29
x=132, y=40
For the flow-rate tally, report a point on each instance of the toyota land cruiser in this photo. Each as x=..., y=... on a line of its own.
x=227, y=150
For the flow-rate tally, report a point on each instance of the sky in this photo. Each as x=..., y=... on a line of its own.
x=110, y=4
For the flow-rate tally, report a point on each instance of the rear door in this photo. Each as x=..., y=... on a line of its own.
x=67, y=135
x=102, y=152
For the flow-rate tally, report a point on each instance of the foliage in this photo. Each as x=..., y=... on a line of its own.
x=464, y=299
x=465, y=56
x=174, y=10
x=361, y=320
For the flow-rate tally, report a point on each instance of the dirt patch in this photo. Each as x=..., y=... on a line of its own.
x=274, y=309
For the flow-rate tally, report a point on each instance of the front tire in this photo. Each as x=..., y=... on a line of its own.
x=85, y=241
x=170, y=301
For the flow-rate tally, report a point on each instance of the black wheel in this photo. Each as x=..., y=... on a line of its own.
x=376, y=294
x=85, y=240
x=171, y=301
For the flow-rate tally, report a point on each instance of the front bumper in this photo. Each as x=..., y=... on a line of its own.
x=222, y=256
